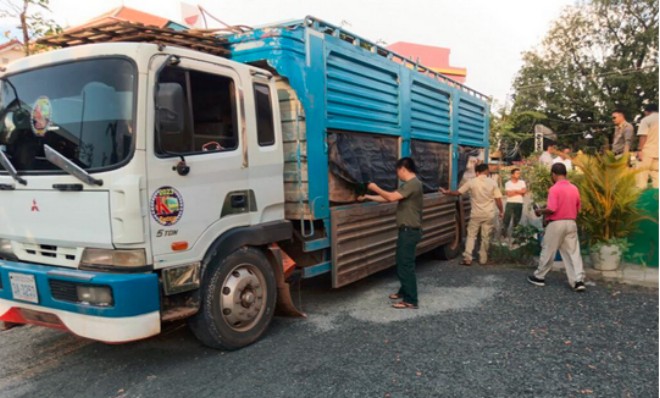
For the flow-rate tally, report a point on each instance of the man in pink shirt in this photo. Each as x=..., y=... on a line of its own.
x=561, y=231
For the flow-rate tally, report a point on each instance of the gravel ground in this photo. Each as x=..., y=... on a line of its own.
x=479, y=332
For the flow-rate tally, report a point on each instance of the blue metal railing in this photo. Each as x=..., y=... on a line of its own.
x=330, y=29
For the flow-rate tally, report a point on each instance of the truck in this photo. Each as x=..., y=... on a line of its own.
x=151, y=175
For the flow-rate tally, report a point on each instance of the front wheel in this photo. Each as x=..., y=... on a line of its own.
x=238, y=300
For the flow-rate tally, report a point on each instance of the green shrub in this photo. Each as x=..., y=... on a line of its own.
x=525, y=245
x=609, y=198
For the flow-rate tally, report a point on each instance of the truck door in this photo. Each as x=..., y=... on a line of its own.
x=189, y=210
x=265, y=154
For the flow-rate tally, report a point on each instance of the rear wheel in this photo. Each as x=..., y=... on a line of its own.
x=238, y=300
x=448, y=251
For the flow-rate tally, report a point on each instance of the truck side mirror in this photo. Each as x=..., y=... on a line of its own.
x=170, y=108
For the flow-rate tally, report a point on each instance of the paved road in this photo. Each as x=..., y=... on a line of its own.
x=480, y=332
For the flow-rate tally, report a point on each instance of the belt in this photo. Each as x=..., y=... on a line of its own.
x=407, y=228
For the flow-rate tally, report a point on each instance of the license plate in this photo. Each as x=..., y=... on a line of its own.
x=24, y=287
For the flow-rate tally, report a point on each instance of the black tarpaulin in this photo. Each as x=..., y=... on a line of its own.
x=432, y=161
x=357, y=159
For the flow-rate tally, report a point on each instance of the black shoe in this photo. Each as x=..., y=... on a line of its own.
x=579, y=286
x=535, y=281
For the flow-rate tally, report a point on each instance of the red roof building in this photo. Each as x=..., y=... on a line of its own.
x=436, y=58
x=11, y=51
x=130, y=15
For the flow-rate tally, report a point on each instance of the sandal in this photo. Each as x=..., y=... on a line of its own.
x=395, y=296
x=466, y=263
x=402, y=305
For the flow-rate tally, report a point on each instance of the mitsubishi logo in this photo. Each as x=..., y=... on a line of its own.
x=35, y=207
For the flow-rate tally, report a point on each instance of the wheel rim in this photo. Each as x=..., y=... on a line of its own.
x=242, y=298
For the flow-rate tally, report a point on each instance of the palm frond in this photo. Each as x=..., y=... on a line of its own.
x=609, y=197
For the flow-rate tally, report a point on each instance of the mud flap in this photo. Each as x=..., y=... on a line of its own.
x=463, y=210
x=8, y=325
x=284, y=306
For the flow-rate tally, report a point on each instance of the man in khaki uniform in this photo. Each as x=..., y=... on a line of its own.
x=648, y=148
x=484, y=194
x=623, y=133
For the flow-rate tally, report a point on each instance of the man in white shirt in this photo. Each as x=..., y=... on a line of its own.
x=647, y=151
x=514, y=189
x=469, y=170
x=546, y=157
x=564, y=157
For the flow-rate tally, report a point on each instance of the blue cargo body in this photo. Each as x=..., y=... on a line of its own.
x=346, y=84
x=349, y=84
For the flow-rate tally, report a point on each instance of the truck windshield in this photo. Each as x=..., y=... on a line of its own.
x=84, y=110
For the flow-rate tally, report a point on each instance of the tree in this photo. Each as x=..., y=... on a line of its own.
x=32, y=24
x=513, y=132
x=598, y=56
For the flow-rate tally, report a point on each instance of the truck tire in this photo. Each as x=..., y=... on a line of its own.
x=238, y=297
x=448, y=251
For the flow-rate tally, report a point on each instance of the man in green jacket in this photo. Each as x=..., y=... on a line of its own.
x=409, y=198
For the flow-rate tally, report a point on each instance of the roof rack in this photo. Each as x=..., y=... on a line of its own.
x=329, y=29
x=118, y=31
x=209, y=41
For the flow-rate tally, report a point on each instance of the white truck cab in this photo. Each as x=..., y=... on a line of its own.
x=125, y=168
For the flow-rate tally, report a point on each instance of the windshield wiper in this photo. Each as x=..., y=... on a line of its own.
x=13, y=88
x=67, y=165
x=4, y=161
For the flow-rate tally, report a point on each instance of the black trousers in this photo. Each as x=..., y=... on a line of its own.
x=512, y=210
x=406, y=244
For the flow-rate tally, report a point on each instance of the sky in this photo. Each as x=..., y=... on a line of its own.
x=485, y=36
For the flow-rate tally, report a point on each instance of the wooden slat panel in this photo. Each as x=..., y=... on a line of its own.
x=364, y=236
x=294, y=134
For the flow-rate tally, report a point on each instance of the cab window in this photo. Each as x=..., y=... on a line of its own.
x=264, y=112
x=210, y=123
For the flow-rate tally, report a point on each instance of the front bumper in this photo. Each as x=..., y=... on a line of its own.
x=134, y=313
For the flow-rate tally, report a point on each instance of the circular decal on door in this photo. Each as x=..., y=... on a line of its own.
x=166, y=206
x=42, y=116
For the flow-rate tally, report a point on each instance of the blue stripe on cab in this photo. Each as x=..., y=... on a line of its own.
x=134, y=294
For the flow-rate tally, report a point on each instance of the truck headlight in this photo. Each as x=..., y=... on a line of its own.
x=6, y=251
x=95, y=295
x=101, y=258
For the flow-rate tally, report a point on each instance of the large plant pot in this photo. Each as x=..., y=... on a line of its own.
x=606, y=258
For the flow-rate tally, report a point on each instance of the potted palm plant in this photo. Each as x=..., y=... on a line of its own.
x=609, y=206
